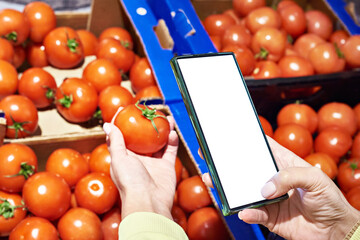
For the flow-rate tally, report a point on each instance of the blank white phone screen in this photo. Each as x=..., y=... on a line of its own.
x=236, y=143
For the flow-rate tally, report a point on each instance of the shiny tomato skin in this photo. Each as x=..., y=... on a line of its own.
x=67, y=163
x=339, y=37
x=47, y=195
x=306, y=42
x=268, y=130
x=206, y=224
x=266, y=69
x=35, y=83
x=357, y=114
x=348, y=175
x=325, y=59
x=110, y=223
x=101, y=73
x=80, y=223
x=193, y=194
x=353, y=197
x=333, y=141
x=11, y=21
x=262, y=17
x=244, y=57
x=351, y=50
x=19, y=109
x=298, y=113
x=42, y=20
x=216, y=24
x=36, y=56
x=27, y=227
x=236, y=35
x=120, y=34
x=8, y=224
x=96, y=192
x=296, y=138
x=216, y=40
x=141, y=75
x=139, y=134
x=295, y=66
x=244, y=7
x=179, y=216
x=6, y=50
x=324, y=162
x=293, y=19
x=89, y=41
x=8, y=79
x=100, y=159
x=319, y=23
x=112, y=49
x=63, y=48
x=84, y=100
x=111, y=98
x=148, y=92
x=337, y=114
x=11, y=157
x=271, y=40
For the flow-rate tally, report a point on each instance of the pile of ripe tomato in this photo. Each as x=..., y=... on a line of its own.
x=283, y=40
x=328, y=138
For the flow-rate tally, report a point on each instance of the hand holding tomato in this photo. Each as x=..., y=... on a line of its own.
x=145, y=183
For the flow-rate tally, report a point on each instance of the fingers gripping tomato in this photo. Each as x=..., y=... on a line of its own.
x=145, y=130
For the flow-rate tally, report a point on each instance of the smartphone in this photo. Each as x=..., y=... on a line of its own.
x=227, y=128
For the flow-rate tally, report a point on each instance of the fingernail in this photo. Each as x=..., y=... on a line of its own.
x=239, y=215
x=106, y=128
x=203, y=178
x=268, y=189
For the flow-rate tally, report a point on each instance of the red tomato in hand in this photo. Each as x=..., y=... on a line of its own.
x=351, y=50
x=349, y=174
x=39, y=86
x=30, y=225
x=63, y=48
x=353, y=197
x=306, y=42
x=179, y=216
x=101, y=73
x=141, y=75
x=268, y=43
x=339, y=115
x=76, y=100
x=292, y=18
x=36, y=55
x=42, y=20
x=268, y=130
x=319, y=23
x=100, y=159
x=262, y=17
x=244, y=7
x=339, y=37
x=145, y=130
x=244, y=57
x=96, y=192
x=21, y=116
x=236, y=35
x=67, y=163
x=47, y=195
x=110, y=224
x=6, y=51
x=18, y=161
x=8, y=79
x=9, y=217
x=333, y=141
x=78, y=224
x=324, y=162
x=295, y=66
x=120, y=34
x=14, y=26
x=148, y=92
x=112, y=49
x=88, y=41
x=298, y=113
x=296, y=138
x=325, y=59
x=111, y=98
x=193, y=194
x=216, y=24
x=266, y=69
x=206, y=224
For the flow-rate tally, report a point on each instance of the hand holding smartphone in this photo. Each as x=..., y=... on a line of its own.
x=227, y=128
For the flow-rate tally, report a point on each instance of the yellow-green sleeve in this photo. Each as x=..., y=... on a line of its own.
x=356, y=234
x=147, y=225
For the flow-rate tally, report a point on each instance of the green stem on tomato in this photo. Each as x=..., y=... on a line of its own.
x=7, y=210
x=26, y=170
x=263, y=54
x=66, y=101
x=150, y=114
x=338, y=51
x=18, y=126
x=12, y=36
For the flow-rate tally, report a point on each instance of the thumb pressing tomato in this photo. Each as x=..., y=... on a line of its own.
x=145, y=130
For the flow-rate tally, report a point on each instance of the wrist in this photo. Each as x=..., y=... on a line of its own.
x=344, y=229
